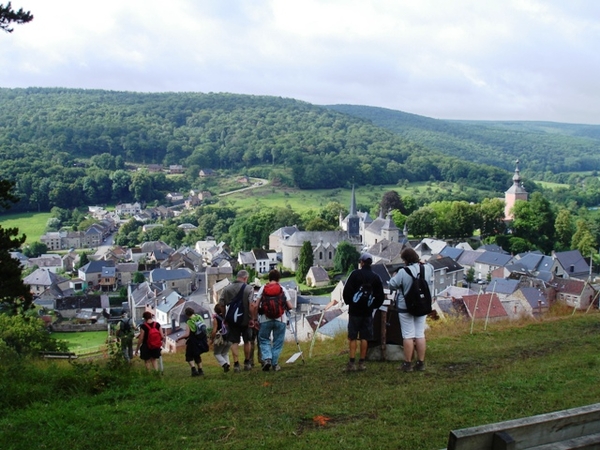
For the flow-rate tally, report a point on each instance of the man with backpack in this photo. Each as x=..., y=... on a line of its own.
x=273, y=303
x=125, y=334
x=363, y=293
x=412, y=311
x=196, y=341
x=235, y=299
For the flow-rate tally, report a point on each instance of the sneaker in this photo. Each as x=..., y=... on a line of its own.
x=236, y=368
x=226, y=367
x=419, y=366
x=195, y=372
x=267, y=365
x=351, y=367
x=200, y=372
x=276, y=367
x=247, y=366
x=362, y=366
x=406, y=367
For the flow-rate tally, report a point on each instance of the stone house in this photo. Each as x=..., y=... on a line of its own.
x=317, y=277
x=182, y=280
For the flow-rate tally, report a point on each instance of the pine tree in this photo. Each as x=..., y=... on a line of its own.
x=8, y=16
x=15, y=297
x=305, y=262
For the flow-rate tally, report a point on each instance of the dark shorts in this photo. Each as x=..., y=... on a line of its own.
x=360, y=327
x=192, y=352
x=146, y=353
x=236, y=332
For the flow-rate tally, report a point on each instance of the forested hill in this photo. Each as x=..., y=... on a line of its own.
x=542, y=146
x=51, y=133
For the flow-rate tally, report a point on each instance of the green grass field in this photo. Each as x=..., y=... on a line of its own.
x=507, y=371
x=33, y=225
x=83, y=342
x=303, y=200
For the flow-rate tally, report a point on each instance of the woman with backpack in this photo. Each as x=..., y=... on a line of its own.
x=221, y=345
x=274, y=301
x=149, y=343
x=412, y=326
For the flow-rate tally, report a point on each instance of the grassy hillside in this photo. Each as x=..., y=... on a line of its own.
x=33, y=225
x=542, y=146
x=498, y=374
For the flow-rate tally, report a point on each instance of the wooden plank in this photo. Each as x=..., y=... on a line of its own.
x=590, y=442
x=531, y=431
x=58, y=355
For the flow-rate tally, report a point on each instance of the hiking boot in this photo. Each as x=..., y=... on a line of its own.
x=362, y=366
x=419, y=366
x=226, y=367
x=236, y=367
x=247, y=366
x=351, y=367
x=406, y=367
x=276, y=367
x=266, y=365
x=195, y=372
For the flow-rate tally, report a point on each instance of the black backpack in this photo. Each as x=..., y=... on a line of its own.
x=418, y=297
x=235, y=309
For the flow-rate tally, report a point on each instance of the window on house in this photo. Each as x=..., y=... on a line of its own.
x=320, y=255
x=329, y=255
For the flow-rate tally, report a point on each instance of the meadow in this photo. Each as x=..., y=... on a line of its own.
x=304, y=200
x=506, y=371
x=33, y=225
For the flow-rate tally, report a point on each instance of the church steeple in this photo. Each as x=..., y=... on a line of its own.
x=514, y=193
x=353, y=219
x=353, y=203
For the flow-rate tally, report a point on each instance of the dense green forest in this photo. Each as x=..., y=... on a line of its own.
x=548, y=150
x=66, y=147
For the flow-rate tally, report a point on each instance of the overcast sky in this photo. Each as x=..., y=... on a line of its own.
x=447, y=59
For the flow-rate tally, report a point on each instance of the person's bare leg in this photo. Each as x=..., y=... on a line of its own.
x=235, y=352
x=364, y=346
x=408, y=346
x=421, y=347
x=352, y=347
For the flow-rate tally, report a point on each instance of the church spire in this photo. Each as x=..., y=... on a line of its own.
x=353, y=203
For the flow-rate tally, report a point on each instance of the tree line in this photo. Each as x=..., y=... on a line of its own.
x=69, y=147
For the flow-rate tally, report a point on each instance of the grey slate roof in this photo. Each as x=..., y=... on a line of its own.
x=319, y=273
x=97, y=266
x=445, y=263
x=247, y=258
x=166, y=275
x=315, y=237
x=502, y=286
x=468, y=257
x=572, y=262
x=452, y=252
x=493, y=259
x=532, y=295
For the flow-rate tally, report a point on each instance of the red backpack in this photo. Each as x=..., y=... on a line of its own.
x=273, y=302
x=154, y=340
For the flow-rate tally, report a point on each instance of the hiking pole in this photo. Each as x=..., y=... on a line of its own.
x=312, y=344
x=299, y=353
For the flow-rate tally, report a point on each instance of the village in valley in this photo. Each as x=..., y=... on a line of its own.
x=482, y=283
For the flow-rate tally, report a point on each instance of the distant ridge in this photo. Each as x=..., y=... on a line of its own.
x=541, y=146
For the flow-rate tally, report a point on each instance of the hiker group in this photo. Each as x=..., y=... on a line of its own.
x=243, y=317
x=363, y=293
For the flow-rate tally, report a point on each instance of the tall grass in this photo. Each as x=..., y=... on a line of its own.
x=502, y=373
